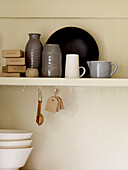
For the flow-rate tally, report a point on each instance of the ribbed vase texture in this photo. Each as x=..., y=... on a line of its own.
x=33, y=52
x=51, y=61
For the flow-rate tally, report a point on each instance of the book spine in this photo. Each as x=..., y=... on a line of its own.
x=13, y=69
x=12, y=53
x=10, y=75
x=15, y=61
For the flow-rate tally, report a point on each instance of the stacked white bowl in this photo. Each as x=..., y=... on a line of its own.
x=15, y=148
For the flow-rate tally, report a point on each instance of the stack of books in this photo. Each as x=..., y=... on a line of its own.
x=15, y=63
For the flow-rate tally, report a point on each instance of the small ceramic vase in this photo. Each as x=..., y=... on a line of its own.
x=52, y=61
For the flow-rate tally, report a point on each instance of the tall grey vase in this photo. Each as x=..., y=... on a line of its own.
x=33, y=52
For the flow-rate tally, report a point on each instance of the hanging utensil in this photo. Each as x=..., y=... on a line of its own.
x=39, y=117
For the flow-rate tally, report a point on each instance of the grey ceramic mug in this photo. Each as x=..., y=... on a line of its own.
x=101, y=69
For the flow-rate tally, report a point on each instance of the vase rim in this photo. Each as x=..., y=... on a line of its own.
x=34, y=34
x=52, y=44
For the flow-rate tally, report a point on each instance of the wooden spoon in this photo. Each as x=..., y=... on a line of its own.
x=40, y=117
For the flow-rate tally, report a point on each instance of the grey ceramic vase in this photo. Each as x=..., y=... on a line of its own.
x=51, y=61
x=33, y=52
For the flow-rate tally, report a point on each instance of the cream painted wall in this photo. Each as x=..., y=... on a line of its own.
x=91, y=133
x=61, y=8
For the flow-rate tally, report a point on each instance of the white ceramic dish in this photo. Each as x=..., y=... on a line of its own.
x=15, y=144
x=13, y=159
x=12, y=135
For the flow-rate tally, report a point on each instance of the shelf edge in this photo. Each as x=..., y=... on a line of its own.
x=113, y=82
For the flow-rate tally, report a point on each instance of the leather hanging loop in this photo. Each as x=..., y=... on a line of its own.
x=56, y=92
x=39, y=95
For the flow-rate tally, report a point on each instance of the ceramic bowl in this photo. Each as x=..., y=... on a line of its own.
x=13, y=135
x=15, y=144
x=13, y=159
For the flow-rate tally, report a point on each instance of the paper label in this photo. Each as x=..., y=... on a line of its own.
x=52, y=104
x=58, y=105
x=61, y=103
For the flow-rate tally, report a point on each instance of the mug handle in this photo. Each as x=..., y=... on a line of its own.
x=115, y=65
x=84, y=70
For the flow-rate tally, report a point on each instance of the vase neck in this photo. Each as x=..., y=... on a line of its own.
x=34, y=36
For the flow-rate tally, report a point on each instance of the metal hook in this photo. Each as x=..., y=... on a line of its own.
x=86, y=91
x=70, y=90
x=100, y=90
x=39, y=89
x=23, y=89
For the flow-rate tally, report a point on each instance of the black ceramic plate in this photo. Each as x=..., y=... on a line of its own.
x=73, y=40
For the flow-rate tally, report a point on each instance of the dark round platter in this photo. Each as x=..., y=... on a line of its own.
x=74, y=40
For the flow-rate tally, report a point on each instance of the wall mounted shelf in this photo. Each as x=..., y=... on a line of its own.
x=104, y=82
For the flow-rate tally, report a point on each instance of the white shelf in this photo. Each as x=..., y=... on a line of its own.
x=110, y=82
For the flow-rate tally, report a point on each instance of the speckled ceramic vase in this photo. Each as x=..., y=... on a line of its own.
x=33, y=52
x=52, y=61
